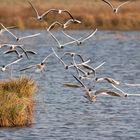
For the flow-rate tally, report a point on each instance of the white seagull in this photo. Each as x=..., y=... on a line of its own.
x=61, y=46
x=13, y=47
x=65, y=25
x=5, y=67
x=19, y=38
x=115, y=10
x=40, y=67
x=40, y=17
x=20, y=55
x=83, y=39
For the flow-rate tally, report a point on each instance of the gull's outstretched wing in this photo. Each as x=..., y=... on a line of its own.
x=106, y=1
x=122, y=4
x=13, y=62
x=35, y=10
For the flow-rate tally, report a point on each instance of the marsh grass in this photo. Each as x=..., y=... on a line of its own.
x=16, y=105
x=92, y=13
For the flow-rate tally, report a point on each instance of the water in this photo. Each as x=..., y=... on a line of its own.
x=62, y=113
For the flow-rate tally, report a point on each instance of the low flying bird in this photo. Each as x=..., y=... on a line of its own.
x=20, y=55
x=13, y=47
x=113, y=93
x=19, y=38
x=88, y=92
x=109, y=92
x=92, y=70
x=63, y=26
x=61, y=46
x=113, y=82
x=83, y=39
x=108, y=79
x=5, y=67
x=40, y=17
x=40, y=67
x=73, y=54
x=115, y=9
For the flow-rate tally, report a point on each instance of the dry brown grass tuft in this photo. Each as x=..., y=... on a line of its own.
x=16, y=102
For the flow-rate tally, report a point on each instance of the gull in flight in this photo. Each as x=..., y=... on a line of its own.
x=113, y=82
x=83, y=39
x=20, y=55
x=113, y=93
x=40, y=17
x=109, y=92
x=108, y=79
x=38, y=67
x=65, y=25
x=5, y=67
x=13, y=48
x=19, y=38
x=60, y=46
x=88, y=92
x=115, y=10
x=73, y=54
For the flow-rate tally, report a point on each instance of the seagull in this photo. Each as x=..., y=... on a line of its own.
x=68, y=22
x=60, y=46
x=113, y=93
x=13, y=47
x=19, y=38
x=108, y=79
x=38, y=67
x=88, y=92
x=5, y=67
x=73, y=54
x=53, y=25
x=80, y=41
x=65, y=25
x=79, y=64
x=20, y=55
x=79, y=71
x=66, y=66
x=115, y=10
x=113, y=82
x=40, y=17
x=109, y=92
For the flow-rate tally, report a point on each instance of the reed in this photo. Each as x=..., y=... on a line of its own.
x=93, y=13
x=16, y=105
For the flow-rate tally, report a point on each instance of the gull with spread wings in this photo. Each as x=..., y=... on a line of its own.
x=19, y=38
x=40, y=67
x=81, y=40
x=5, y=67
x=115, y=9
x=40, y=17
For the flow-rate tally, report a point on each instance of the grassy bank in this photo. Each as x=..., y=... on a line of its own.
x=16, y=102
x=92, y=13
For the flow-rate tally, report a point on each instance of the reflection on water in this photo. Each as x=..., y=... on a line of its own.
x=61, y=113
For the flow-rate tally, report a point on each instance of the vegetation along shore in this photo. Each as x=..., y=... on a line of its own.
x=92, y=13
